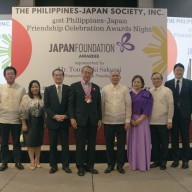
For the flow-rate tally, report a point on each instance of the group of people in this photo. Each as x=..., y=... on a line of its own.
x=139, y=117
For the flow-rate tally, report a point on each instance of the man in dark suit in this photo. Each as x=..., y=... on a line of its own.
x=56, y=106
x=85, y=116
x=182, y=94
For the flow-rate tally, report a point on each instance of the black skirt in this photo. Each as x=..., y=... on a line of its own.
x=33, y=137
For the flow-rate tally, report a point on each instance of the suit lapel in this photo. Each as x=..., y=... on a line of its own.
x=173, y=84
x=93, y=91
x=63, y=94
x=183, y=86
x=81, y=91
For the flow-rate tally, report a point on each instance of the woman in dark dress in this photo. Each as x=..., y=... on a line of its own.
x=32, y=116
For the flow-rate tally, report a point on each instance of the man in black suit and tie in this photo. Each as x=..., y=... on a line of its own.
x=56, y=105
x=85, y=116
x=182, y=94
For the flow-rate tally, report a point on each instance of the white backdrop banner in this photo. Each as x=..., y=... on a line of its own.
x=180, y=44
x=132, y=40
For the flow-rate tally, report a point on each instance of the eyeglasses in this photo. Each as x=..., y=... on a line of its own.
x=87, y=73
x=153, y=79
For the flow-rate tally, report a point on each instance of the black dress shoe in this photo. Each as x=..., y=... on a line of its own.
x=175, y=164
x=93, y=171
x=3, y=166
x=67, y=169
x=185, y=165
x=19, y=166
x=81, y=171
x=53, y=170
x=155, y=164
x=109, y=169
x=120, y=169
x=163, y=166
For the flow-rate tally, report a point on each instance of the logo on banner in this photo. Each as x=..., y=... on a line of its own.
x=5, y=50
x=125, y=44
x=21, y=47
x=159, y=50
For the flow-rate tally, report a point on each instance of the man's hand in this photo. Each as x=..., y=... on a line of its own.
x=100, y=124
x=169, y=125
x=127, y=126
x=59, y=118
x=24, y=127
x=133, y=123
x=73, y=123
x=138, y=121
x=63, y=117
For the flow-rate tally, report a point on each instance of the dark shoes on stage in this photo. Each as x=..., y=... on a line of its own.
x=120, y=169
x=81, y=171
x=163, y=166
x=157, y=164
x=109, y=169
x=3, y=166
x=175, y=164
x=91, y=170
x=53, y=170
x=67, y=169
x=185, y=165
x=19, y=166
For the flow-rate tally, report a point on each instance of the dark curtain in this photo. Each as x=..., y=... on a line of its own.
x=176, y=8
x=6, y=6
x=87, y=3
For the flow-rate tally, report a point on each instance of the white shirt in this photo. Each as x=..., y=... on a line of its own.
x=61, y=85
x=163, y=106
x=10, y=99
x=116, y=104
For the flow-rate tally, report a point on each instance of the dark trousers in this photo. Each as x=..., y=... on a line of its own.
x=110, y=131
x=15, y=130
x=159, y=139
x=180, y=125
x=85, y=135
x=63, y=133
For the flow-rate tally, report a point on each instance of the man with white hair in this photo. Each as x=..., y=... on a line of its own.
x=116, y=111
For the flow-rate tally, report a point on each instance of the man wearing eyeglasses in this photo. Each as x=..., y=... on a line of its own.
x=160, y=121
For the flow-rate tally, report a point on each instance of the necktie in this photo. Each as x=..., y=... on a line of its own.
x=177, y=87
x=59, y=93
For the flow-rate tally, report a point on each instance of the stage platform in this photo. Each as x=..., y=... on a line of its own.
x=100, y=148
x=39, y=180
x=100, y=154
